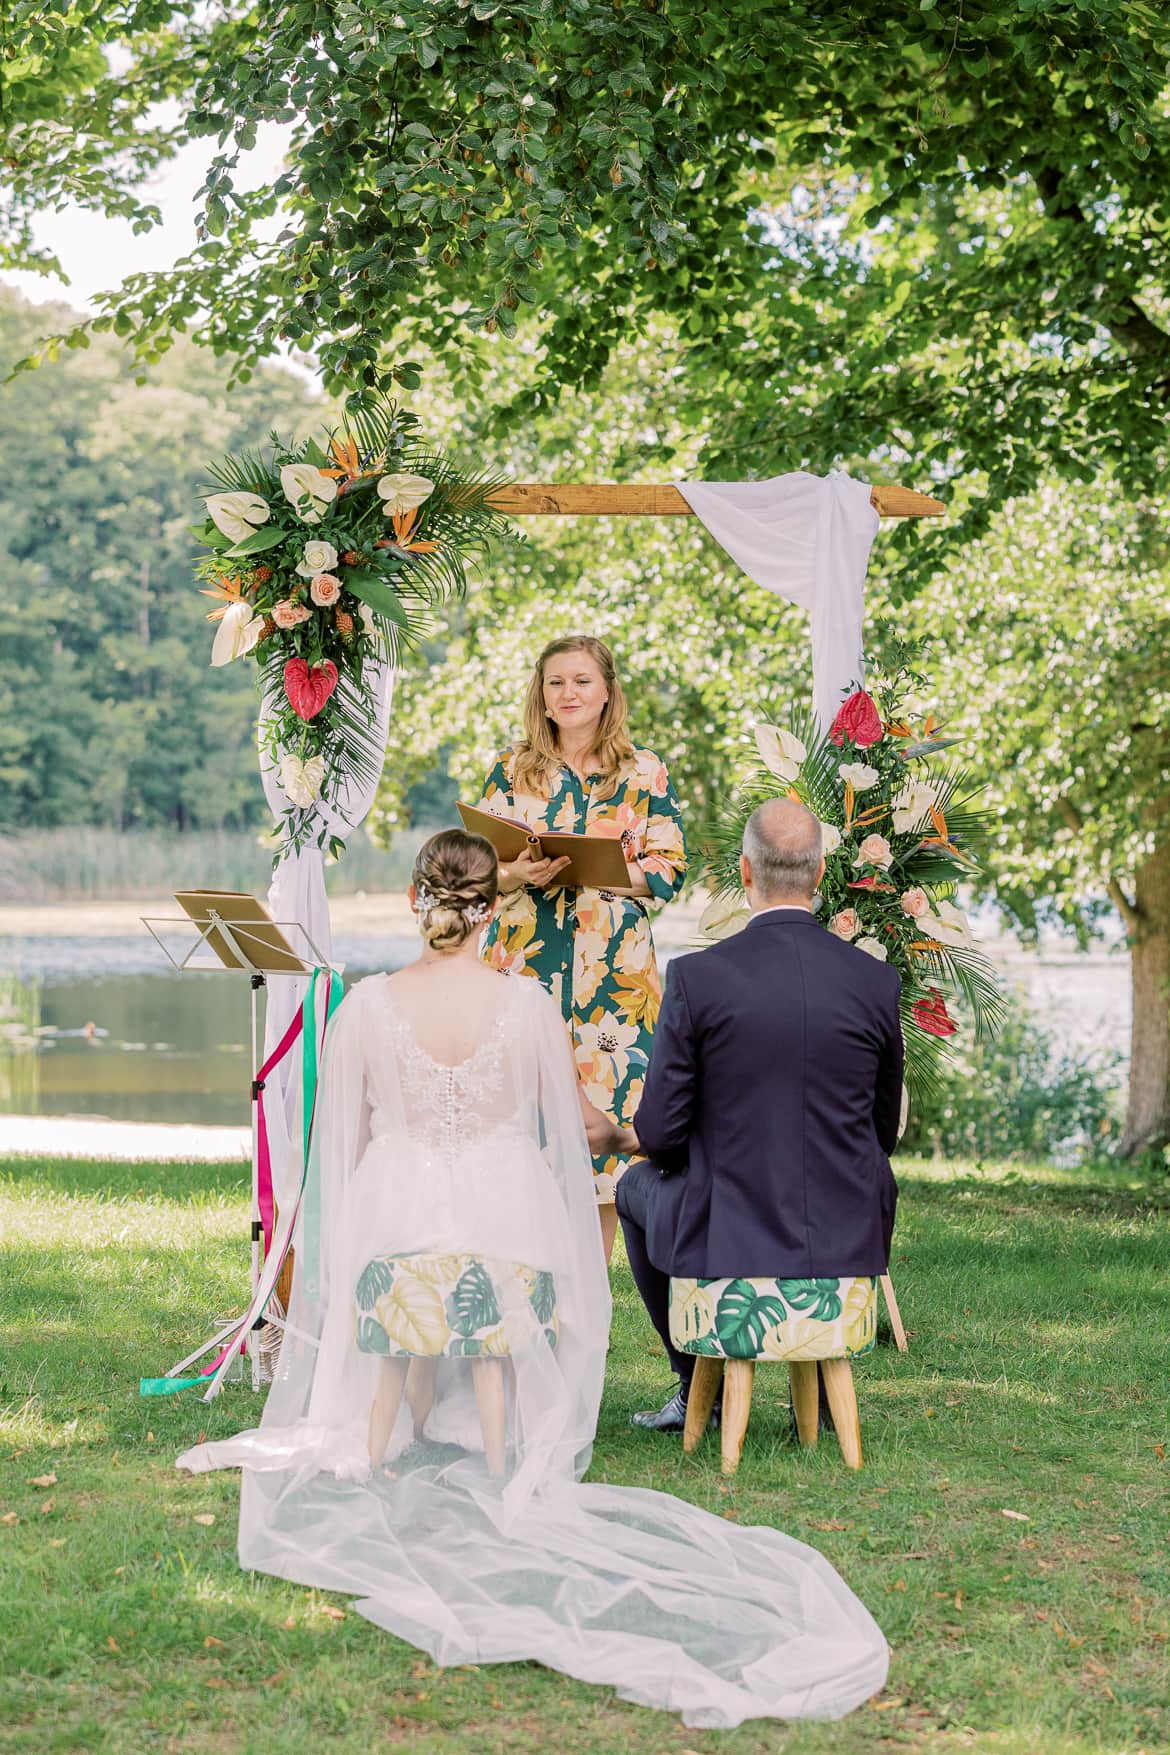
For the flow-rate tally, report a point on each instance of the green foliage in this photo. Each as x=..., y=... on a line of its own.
x=927, y=239
x=110, y=713
x=1016, y=1097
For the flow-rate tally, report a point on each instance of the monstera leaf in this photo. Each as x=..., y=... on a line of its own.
x=543, y=1297
x=744, y=1316
x=412, y=1314
x=374, y=1283
x=821, y=1298
x=371, y=1336
x=473, y=1302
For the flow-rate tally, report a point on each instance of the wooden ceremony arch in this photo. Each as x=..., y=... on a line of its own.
x=661, y=500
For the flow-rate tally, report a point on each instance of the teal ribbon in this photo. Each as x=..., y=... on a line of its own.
x=310, y=1263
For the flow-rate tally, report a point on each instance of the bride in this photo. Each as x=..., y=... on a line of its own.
x=424, y=1441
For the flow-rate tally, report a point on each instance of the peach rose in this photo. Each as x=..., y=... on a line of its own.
x=846, y=925
x=874, y=850
x=325, y=589
x=287, y=614
x=915, y=903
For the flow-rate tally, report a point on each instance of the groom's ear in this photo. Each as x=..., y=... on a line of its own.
x=820, y=875
x=745, y=870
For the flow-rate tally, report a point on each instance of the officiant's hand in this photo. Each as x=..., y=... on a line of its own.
x=530, y=868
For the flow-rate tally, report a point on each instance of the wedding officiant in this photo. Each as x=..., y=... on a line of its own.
x=576, y=770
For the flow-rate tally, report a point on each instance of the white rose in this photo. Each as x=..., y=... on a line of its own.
x=237, y=515
x=403, y=492
x=238, y=632
x=723, y=916
x=912, y=805
x=301, y=481
x=830, y=839
x=872, y=948
x=859, y=775
x=301, y=780
x=780, y=752
x=319, y=557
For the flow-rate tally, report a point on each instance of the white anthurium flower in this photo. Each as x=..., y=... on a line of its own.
x=403, y=492
x=859, y=775
x=913, y=805
x=951, y=926
x=237, y=633
x=780, y=752
x=830, y=839
x=319, y=557
x=872, y=948
x=301, y=780
x=723, y=916
x=237, y=515
x=302, y=481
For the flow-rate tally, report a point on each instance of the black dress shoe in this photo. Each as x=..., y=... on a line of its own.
x=671, y=1418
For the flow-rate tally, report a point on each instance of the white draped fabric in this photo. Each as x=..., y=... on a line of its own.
x=487, y=1157
x=807, y=538
x=297, y=893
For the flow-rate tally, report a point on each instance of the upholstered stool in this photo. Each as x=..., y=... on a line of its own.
x=423, y=1308
x=728, y=1325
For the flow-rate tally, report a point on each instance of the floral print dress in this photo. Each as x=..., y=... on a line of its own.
x=593, y=950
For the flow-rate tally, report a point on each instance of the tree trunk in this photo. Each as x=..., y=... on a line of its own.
x=1147, y=1121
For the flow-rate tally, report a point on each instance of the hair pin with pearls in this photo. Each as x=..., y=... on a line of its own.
x=425, y=900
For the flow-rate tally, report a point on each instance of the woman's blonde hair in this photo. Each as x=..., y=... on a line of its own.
x=537, y=760
x=456, y=879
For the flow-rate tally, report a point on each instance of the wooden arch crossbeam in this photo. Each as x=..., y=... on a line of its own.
x=661, y=500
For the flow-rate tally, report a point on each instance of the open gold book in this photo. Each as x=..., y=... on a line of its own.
x=597, y=862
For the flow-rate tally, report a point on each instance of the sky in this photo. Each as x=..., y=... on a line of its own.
x=98, y=253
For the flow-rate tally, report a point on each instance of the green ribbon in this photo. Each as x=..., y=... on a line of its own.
x=169, y=1385
x=311, y=1232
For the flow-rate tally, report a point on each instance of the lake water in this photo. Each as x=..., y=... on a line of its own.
x=174, y=1048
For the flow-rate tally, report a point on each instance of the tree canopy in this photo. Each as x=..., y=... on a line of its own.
x=924, y=239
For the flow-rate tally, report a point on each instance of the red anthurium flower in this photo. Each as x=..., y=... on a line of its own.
x=872, y=883
x=932, y=1016
x=308, y=690
x=858, y=720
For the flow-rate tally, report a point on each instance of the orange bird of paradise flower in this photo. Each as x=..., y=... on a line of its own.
x=229, y=589
x=348, y=463
x=404, y=523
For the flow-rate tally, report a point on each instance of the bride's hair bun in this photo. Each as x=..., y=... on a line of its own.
x=456, y=879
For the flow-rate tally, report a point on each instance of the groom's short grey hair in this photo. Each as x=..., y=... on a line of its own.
x=782, y=843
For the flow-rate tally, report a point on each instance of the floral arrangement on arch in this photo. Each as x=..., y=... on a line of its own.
x=324, y=558
x=900, y=831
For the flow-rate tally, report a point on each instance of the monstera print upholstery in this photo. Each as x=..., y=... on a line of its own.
x=785, y=1320
x=444, y=1306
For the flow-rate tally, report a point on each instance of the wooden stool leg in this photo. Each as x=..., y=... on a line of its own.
x=895, y=1315
x=705, y=1383
x=738, y=1377
x=838, y=1375
x=802, y=1375
x=384, y=1408
x=488, y=1377
x=420, y=1391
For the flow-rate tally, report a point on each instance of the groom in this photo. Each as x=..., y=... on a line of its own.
x=771, y=1102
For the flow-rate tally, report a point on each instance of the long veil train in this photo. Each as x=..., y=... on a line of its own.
x=425, y=1169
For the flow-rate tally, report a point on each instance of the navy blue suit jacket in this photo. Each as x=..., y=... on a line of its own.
x=771, y=1105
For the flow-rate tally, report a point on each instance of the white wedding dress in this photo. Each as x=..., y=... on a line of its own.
x=669, y=1605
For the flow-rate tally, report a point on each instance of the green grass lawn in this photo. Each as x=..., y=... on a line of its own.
x=1036, y=1384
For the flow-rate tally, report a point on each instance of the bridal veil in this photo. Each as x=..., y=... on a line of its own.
x=451, y=1209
